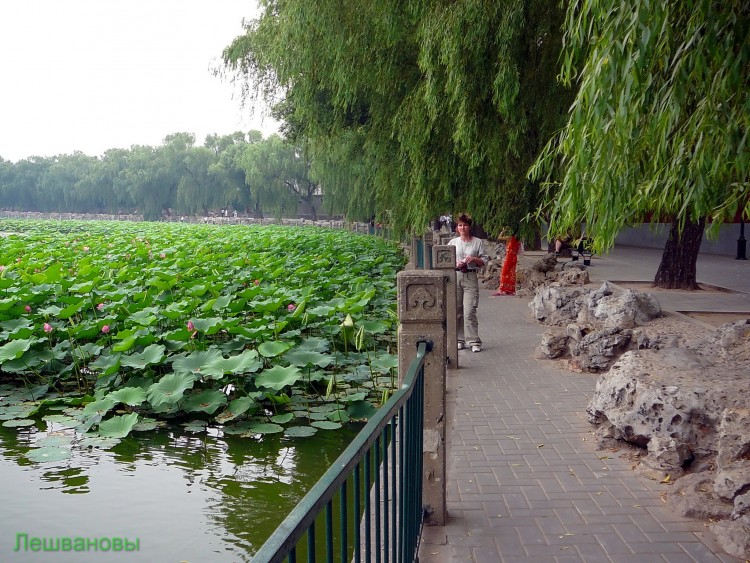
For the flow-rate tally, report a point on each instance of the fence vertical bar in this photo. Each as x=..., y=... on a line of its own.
x=343, y=530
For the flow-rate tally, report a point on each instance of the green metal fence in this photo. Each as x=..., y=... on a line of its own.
x=368, y=505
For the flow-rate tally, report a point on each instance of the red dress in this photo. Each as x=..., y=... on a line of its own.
x=508, y=271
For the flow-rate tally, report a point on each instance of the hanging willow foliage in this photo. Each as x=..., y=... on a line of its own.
x=413, y=109
x=659, y=127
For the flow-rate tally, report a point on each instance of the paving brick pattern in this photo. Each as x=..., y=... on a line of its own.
x=526, y=481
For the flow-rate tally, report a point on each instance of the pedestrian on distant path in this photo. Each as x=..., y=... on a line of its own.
x=470, y=257
x=508, y=271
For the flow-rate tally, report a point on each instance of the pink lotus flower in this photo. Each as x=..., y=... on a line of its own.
x=190, y=326
x=256, y=282
x=162, y=255
x=85, y=248
x=100, y=306
x=2, y=267
x=105, y=329
x=291, y=307
x=28, y=309
x=48, y=328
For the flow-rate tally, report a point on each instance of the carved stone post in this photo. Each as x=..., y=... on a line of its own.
x=444, y=259
x=422, y=314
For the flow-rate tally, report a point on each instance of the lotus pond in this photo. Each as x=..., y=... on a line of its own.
x=155, y=360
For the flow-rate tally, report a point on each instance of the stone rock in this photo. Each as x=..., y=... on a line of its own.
x=556, y=305
x=692, y=497
x=741, y=506
x=546, y=264
x=667, y=453
x=626, y=310
x=732, y=341
x=733, y=536
x=574, y=332
x=597, y=350
x=733, y=456
x=554, y=344
x=641, y=396
x=573, y=277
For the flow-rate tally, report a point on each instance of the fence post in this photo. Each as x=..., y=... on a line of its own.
x=422, y=314
x=444, y=259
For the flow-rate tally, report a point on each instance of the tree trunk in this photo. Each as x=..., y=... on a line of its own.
x=677, y=267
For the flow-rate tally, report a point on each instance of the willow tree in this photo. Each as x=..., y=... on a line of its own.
x=412, y=109
x=659, y=128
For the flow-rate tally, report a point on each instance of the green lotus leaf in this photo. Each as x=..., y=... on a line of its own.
x=237, y=429
x=267, y=305
x=63, y=420
x=330, y=407
x=354, y=397
x=153, y=354
x=263, y=428
x=169, y=389
x=384, y=362
x=127, y=342
x=82, y=287
x=14, y=349
x=373, y=327
x=315, y=344
x=18, y=422
x=236, y=408
x=246, y=362
x=300, y=432
x=195, y=426
x=273, y=348
x=361, y=410
x=131, y=396
x=100, y=407
x=282, y=418
x=211, y=325
x=106, y=365
x=303, y=358
x=222, y=302
x=118, y=426
x=195, y=362
x=205, y=401
x=326, y=425
x=146, y=424
x=71, y=310
x=145, y=317
x=17, y=411
x=101, y=442
x=49, y=454
x=339, y=415
x=17, y=328
x=55, y=441
x=278, y=377
x=321, y=311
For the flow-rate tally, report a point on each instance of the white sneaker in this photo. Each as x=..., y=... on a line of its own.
x=461, y=345
x=476, y=348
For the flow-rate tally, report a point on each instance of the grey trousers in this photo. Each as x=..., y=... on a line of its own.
x=467, y=292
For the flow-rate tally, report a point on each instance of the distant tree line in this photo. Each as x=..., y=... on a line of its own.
x=238, y=172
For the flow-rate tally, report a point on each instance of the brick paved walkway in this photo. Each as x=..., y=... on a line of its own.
x=525, y=479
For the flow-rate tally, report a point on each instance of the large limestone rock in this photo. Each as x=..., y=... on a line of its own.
x=599, y=322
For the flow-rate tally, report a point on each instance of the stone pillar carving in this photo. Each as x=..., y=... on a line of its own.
x=444, y=259
x=422, y=315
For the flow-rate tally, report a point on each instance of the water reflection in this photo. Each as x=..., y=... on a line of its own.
x=192, y=497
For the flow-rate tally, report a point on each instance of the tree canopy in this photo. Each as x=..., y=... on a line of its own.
x=240, y=171
x=659, y=127
x=412, y=109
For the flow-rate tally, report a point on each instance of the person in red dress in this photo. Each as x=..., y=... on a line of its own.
x=508, y=271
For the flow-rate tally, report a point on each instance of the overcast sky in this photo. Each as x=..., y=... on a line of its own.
x=90, y=75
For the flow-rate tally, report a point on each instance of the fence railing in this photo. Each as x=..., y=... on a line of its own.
x=382, y=471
